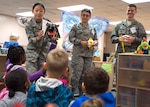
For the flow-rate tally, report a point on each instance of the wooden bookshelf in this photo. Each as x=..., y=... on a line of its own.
x=133, y=80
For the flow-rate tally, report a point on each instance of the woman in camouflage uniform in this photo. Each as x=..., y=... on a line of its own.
x=37, y=47
x=82, y=55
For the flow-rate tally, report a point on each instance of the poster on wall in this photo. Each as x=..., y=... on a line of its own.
x=68, y=19
x=71, y=18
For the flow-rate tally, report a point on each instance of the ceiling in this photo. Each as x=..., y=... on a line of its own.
x=113, y=10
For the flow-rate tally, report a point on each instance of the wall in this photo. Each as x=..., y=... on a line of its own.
x=108, y=46
x=101, y=45
x=9, y=24
x=148, y=37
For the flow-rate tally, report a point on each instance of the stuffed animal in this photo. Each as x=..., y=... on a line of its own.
x=90, y=44
x=144, y=47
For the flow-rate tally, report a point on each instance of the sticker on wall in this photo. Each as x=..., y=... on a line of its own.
x=68, y=19
x=100, y=24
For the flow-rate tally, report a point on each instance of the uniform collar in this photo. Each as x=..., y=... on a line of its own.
x=81, y=24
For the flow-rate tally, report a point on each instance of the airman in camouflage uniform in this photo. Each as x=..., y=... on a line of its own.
x=129, y=31
x=36, y=50
x=38, y=46
x=82, y=55
x=124, y=29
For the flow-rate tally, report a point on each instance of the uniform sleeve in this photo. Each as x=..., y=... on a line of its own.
x=141, y=33
x=72, y=36
x=30, y=33
x=114, y=35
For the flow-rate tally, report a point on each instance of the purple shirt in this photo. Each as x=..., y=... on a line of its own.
x=32, y=77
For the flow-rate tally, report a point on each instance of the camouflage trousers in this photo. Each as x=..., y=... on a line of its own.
x=79, y=65
x=34, y=61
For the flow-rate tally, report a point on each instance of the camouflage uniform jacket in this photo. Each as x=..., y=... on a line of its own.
x=32, y=29
x=35, y=49
x=80, y=33
x=135, y=29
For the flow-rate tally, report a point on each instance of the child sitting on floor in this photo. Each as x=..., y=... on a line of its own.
x=50, y=89
x=95, y=84
x=16, y=57
x=17, y=83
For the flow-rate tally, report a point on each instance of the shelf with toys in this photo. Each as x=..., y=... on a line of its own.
x=133, y=80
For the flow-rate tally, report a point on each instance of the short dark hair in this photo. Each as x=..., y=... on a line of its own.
x=15, y=54
x=36, y=4
x=15, y=81
x=132, y=5
x=96, y=81
x=86, y=10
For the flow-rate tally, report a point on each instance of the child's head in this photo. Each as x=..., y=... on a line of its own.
x=16, y=55
x=38, y=10
x=96, y=102
x=17, y=80
x=95, y=81
x=57, y=62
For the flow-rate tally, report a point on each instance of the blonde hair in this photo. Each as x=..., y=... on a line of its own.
x=66, y=76
x=57, y=61
x=95, y=102
x=51, y=105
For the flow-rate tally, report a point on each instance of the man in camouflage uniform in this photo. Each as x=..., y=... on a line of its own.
x=82, y=55
x=129, y=31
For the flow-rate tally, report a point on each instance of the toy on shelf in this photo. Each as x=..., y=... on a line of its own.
x=90, y=43
x=144, y=83
x=144, y=47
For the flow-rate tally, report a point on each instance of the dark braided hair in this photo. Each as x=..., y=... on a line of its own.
x=15, y=81
x=16, y=55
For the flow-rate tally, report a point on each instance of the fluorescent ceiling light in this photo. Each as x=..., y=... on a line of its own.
x=75, y=7
x=25, y=14
x=114, y=23
x=148, y=31
x=135, y=1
